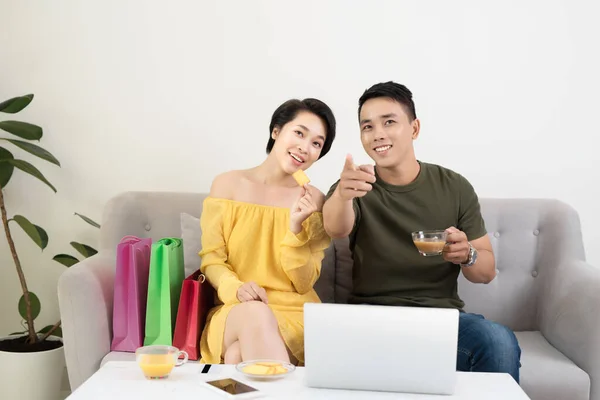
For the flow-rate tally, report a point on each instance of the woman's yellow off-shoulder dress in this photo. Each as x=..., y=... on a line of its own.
x=244, y=242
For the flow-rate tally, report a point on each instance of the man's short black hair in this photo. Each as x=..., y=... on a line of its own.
x=290, y=109
x=394, y=91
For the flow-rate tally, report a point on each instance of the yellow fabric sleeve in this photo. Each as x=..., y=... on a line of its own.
x=214, y=255
x=302, y=254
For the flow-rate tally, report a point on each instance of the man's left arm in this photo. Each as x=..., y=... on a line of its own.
x=478, y=266
x=458, y=251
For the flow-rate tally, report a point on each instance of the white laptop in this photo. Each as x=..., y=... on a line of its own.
x=380, y=348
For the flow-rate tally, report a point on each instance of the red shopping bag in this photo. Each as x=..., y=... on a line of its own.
x=196, y=300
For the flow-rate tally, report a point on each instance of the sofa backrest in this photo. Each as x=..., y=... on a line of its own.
x=529, y=237
x=146, y=214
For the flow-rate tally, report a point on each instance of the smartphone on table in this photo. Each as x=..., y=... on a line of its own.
x=233, y=389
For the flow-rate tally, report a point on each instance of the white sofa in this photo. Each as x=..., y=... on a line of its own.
x=544, y=290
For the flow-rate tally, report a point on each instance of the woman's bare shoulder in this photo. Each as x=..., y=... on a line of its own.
x=223, y=185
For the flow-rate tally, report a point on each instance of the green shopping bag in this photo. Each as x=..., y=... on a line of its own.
x=164, y=288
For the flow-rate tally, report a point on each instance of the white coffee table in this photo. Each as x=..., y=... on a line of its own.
x=124, y=380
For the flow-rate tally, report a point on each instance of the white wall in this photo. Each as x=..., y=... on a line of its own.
x=507, y=93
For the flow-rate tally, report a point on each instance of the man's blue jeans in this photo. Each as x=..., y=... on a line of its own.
x=486, y=346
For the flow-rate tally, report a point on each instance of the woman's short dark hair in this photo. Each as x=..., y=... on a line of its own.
x=290, y=109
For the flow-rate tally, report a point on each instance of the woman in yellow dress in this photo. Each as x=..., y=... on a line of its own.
x=263, y=242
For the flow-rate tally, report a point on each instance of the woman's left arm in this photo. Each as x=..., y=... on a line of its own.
x=302, y=253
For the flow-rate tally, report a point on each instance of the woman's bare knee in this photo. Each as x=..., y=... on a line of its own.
x=250, y=322
x=251, y=314
x=248, y=316
x=254, y=326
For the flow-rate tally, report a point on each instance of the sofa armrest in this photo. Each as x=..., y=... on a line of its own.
x=570, y=316
x=85, y=299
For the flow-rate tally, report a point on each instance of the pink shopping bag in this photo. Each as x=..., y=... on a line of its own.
x=130, y=292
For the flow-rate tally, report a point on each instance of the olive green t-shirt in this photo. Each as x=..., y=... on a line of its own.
x=388, y=269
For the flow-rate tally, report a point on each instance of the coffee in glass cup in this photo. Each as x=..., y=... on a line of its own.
x=429, y=243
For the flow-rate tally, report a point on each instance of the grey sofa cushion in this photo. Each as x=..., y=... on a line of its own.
x=546, y=373
x=325, y=285
x=529, y=237
x=191, y=235
x=343, y=270
x=146, y=214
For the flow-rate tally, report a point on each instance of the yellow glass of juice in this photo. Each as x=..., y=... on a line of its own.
x=157, y=361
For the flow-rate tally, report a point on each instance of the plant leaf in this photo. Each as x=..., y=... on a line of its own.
x=16, y=104
x=37, y=234
x=88, y=220
x=24, y=130
x=5, y=154
x=65, y=260
x=57, y=331
x=43, y=235
x=35, y=150
x=84, y=249
x=6, y=169
x=30, y=169
x=36, y=306
x=17, y=333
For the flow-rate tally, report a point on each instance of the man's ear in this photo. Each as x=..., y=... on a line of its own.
x=416, y=126
x=275, y=133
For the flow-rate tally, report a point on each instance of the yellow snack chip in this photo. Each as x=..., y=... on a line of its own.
x=265, y=368
x=301, y=177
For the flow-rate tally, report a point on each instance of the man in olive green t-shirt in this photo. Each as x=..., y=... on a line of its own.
x=378, y=208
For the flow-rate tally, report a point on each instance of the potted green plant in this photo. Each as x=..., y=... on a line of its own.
x=31, y=353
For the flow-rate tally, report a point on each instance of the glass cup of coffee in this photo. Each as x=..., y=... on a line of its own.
x=429, y=243
x=157, y=361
